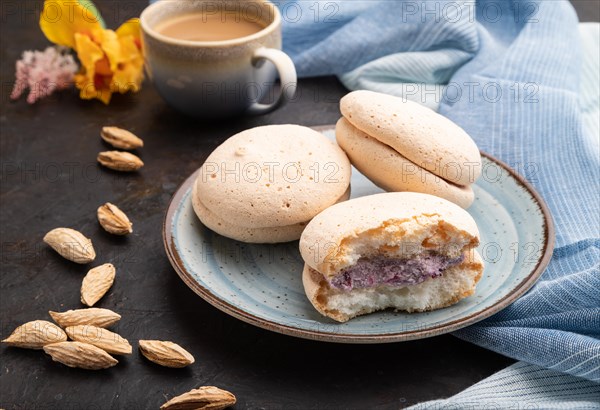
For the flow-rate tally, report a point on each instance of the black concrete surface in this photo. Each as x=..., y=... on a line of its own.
x=50, y=178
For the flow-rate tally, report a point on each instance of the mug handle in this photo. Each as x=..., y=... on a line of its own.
x=287, y=74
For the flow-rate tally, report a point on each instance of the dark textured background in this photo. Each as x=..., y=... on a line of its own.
x=50, y=178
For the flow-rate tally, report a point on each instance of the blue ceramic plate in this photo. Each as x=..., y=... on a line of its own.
x=262, y=285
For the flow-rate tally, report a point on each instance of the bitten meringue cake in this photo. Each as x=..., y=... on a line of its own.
x=403, y=250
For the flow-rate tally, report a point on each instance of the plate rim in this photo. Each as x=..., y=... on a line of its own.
x=208, y=296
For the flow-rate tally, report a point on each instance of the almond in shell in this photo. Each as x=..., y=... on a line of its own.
x=96, y=283
x=166, y=354
x=120, y=138
x=35, y=335
x=113, y=220
x=205, y=397
x=120, y=161
x=82, y=355
x=71, y=245
x=90, y=316
x=106, y=340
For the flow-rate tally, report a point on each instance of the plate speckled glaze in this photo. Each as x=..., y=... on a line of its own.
x=262, y=284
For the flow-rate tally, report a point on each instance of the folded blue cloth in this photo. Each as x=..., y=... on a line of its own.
x=509, y=73
x=522, y=386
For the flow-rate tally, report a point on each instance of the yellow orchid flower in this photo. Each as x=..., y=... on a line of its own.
x=61, y=19
x=111, y=61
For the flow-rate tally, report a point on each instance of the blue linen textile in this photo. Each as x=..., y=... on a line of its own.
x=522, y=386
x=509, y=73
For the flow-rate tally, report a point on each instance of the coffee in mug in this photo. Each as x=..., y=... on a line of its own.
x=208, y=27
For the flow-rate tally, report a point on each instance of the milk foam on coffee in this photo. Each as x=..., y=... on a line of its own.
x=208, y=27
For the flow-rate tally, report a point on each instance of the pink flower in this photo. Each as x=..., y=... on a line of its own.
x=43, y=72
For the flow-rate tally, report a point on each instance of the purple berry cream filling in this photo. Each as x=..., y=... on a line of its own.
x=379, y=270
